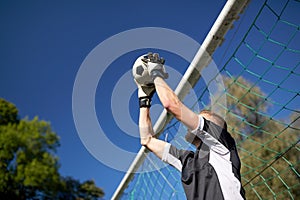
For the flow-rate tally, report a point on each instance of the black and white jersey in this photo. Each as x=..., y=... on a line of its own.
x=213, y=170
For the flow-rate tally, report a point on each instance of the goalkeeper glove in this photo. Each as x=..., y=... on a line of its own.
x=155, y=65
x=145, y=94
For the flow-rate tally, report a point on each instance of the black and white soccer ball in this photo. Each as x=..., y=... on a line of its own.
x=140, y=72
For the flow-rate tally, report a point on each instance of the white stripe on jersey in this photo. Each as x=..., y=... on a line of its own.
x=170, y=159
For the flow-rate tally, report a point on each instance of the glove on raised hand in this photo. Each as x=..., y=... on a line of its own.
x=155, y=66
x=145, y=94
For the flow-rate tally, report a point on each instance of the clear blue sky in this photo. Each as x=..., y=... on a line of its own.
x=43, y=44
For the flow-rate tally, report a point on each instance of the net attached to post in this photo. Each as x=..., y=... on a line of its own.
x=262, y=88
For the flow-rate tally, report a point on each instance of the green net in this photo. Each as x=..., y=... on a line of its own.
x=262, y=80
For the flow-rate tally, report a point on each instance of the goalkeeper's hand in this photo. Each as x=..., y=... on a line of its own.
x=146, y=91
x=145, y=94
x=155, y=66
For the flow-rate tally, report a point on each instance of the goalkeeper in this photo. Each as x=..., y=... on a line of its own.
x=213, y=170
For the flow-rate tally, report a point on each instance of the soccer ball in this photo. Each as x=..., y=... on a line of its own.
x=140, y=72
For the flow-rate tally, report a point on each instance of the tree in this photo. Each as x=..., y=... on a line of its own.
x=268, y=147
x=245, y=103
x=29, y=165
x=8, y=112
x=271, y=162
x=73, y=189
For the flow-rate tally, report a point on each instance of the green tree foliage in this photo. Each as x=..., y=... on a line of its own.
x=29, y=166
x=269, y=148
x=245, y=103
x=8, y=112
x=271, y=162
x=73, y=189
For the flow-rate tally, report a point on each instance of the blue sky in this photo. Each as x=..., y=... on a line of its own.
x=44, y=43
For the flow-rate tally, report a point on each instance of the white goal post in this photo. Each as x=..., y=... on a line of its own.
x=215, y=37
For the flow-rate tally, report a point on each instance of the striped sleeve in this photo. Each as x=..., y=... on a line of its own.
x=212, y=135
x=171, y=156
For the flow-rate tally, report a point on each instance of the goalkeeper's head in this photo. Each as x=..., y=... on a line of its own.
x=213, y=117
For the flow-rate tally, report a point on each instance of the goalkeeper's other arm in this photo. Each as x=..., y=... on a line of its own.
x=147, y=135
x=145, y=94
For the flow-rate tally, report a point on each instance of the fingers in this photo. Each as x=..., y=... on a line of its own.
x=153, y=57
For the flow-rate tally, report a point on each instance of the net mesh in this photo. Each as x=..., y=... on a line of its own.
x=262, y=78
